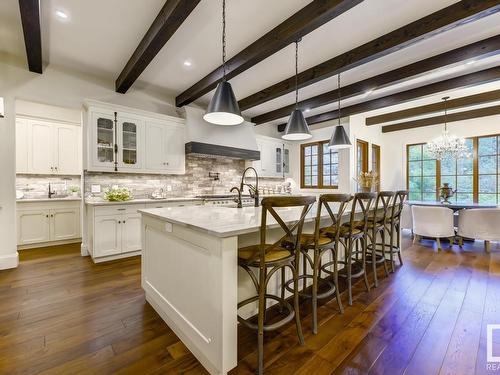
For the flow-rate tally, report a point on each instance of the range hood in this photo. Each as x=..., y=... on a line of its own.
x=205, y=139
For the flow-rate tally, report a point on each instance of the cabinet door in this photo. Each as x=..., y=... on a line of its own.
x=21, y=146
x=32, y=226
x=103, y=140
x=129, y=143
x=278, y=151
x=154, y=145
x=131, y=232
x=107, y=235
x=40, y=148
x=64, y=223
x=286, y=161
x=174, y=149
x=67, y=149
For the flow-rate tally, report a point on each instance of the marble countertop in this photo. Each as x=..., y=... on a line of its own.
x=102, y=202
x=34, y=200
x=227, y=221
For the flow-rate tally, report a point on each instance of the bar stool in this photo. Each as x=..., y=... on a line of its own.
x=319, y=244
x=393, y=227
x=376, y=227
x=352, y=237
x=270, y=258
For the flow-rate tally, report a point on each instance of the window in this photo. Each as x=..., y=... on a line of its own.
x=422, y=174
x=319, y=166
x=376, y=162
x=361, y=157
x=475, y=179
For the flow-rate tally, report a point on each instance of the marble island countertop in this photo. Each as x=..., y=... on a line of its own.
x=103, y=202
x=227, y=221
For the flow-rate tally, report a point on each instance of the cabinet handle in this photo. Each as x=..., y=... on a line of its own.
x=121, y=209
x=52, y=215
x=46, y=215
x=119, y=222
x=123, y=221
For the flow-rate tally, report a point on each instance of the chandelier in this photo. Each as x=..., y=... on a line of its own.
x=448, y=146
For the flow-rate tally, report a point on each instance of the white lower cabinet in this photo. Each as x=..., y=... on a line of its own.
x=107, y=235
x=48, y=222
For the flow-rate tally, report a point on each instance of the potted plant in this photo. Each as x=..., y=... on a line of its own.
x=367, y=181
x=117, y=194
x=73, y=190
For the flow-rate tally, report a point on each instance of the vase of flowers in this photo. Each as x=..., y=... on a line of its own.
x=367, y=181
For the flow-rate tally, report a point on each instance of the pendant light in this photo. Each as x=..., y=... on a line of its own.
x=339, y=139
x=296, y=128
x=223, y=108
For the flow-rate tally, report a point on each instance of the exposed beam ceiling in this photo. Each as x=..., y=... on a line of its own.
x=479, y=49
x=472, y=79
x=312, y=16
x=443, y=20
x=30, y=18
x=484, y=97
x=170, y=18
x=452, y=117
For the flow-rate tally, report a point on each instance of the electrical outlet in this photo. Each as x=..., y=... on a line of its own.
x=95, y=189
x=169, y=187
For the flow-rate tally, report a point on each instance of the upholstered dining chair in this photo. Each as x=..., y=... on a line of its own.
x=434, y=222
x=480, y=224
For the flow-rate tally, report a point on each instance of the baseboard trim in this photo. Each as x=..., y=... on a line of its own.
x=84, y=250
x=9, y=261
x=47, y=244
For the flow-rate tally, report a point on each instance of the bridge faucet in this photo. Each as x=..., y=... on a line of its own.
x=237, y=200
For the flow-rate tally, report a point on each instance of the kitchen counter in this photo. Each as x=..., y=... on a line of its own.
x=36, y=200
x=102, y=202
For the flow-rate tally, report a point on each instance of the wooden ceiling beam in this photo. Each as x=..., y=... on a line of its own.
x=436, y=120
x=30, y=19
x=482, y=98
x=472, y=79
x=476, y=50
x=309, y=18
x=443, y=20
x=166, y=23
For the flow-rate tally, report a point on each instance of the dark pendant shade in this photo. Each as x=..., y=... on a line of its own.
x=339, y=139
x=296, y=128
x=223, y=108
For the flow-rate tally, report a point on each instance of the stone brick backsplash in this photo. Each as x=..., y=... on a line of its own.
x=37, y=186
x=195, y=182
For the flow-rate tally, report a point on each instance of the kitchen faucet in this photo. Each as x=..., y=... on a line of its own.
x=237, y=200
x=254, y=190
x=51, y=193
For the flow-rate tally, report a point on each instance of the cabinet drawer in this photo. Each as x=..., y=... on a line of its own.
x=118, y=209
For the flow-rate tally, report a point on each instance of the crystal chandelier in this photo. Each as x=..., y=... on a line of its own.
x=448, y=146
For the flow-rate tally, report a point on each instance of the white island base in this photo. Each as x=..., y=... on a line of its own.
x=190, y=274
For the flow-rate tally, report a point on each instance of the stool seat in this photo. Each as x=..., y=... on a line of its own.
x=250, y=254
x=331, y=231
x=370, y=224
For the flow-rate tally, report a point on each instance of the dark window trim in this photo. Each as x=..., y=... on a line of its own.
x=320, y=166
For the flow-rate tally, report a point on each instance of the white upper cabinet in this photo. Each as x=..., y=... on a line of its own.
x=138, y=141
x=274, y=158
x=44, y=147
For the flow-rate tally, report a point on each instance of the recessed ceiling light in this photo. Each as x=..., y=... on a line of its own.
x=307, y=109
x=188, y=63
x=61, y=14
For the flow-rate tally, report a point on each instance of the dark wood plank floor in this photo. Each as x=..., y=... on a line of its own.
x=62, y=314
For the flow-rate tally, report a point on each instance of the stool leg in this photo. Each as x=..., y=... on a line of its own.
x=398, y=242
x=336, y=279
x=391, y=252
x=315, y=291
x=348, y=265
x=363, y=261
x=383, y=239
x=487, y=246
x=296, y=304
x=282, y=286
x=260, y=323
x=374, y=258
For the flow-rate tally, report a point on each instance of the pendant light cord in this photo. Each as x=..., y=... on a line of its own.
x=445, y=112
x=296, y=74
x=224, y=39
x=338, y=91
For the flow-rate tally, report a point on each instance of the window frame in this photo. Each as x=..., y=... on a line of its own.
x=320, y=185
x=475, y=167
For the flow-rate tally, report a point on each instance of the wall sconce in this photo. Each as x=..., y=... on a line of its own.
x=2, y=108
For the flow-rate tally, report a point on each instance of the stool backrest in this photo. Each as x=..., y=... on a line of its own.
x=292, y=231
x=324, y=202
x=361, y=205
x=398, y=204
x=383, y=204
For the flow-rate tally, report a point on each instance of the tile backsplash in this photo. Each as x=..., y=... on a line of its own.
x=195, y=181
x=36, y=186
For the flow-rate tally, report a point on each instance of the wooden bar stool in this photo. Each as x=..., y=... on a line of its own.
x=319, y=244
x=270, y=258
x=376, y=227
x=393, y=228
x=353, y=237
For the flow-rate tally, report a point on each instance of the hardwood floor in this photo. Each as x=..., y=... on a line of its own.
x=62, y=314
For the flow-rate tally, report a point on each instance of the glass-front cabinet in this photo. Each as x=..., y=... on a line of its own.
x=129, y=140
x=103, y=140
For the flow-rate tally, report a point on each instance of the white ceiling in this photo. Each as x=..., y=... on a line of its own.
x=100, y=36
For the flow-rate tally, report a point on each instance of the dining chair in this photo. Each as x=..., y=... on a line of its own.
x=433, y=222
x=268, y=258
x=480, y=224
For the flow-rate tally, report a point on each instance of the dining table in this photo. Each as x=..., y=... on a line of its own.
x=455, y=206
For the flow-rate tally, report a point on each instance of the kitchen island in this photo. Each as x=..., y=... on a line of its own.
x=190, y=273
